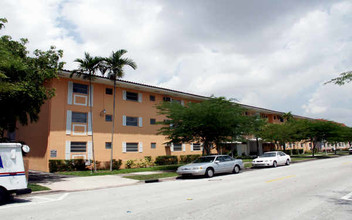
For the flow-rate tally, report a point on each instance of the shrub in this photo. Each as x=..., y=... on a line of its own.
x=129, y=164
x=189, y=158
x=149, y=161
x=116, y=164
x=166, y=160
x=79, y=165
x=141, y=164
x=55, y=165
x=67, y=165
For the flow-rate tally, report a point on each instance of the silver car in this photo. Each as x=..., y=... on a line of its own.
x=210, y=165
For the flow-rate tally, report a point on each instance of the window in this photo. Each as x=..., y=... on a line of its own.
x=108, y=117
x=152, y=98
x=131, y=96
x=79, y=117
x=274, y=117
x=220, y=158
x=228, y=158
x=132, y=121
x=167, y=99
x=196, y=147
x=177, y=147
x=302, y=145
x=152, y=121
x=78, y=147
x=107, y=145
x=152, y=145
x=177, y=101
x=108, y=91
x=80, y=88
x=131, y=147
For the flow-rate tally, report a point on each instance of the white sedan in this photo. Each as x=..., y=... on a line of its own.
x=272, y=159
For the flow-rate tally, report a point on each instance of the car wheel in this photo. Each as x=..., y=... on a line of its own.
x=287, y=162
x=4, y=196
x=209, y=173
x=236, y=169
x=274, y=164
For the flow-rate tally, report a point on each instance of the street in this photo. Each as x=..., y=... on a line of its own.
x=319, y=189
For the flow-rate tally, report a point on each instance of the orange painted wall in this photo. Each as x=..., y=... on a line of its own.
x=102, y=129
x=35, y=135
x=50, y=131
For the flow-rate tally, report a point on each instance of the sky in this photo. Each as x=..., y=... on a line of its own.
x=271, y=54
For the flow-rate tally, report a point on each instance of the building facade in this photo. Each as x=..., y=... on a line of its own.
x=64, y=129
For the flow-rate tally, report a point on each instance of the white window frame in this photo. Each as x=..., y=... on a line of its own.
x=79, y=155
x=79, y=133
x=81, y=96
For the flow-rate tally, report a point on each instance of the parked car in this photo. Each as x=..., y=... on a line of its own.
x=272, y=159
x=211, y=165
x=350, y=150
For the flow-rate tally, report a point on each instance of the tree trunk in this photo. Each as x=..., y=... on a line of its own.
x=113, y=127
x=91, y=122
x=256, y=139
x=206, y=147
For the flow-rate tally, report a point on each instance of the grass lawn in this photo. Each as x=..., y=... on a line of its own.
x=293, y=159
x=36, y=187
x=247, y=165
x=152, y=176
x=247, y=160
x=122, y=171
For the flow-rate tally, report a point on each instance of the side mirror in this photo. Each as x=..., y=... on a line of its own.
x=216, y=161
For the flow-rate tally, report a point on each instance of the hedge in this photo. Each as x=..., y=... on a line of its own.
x=294, y=151
x=189, y=158
x=166, y=160
x=79, y=165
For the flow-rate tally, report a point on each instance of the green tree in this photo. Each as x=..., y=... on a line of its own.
x=316, y=131
x=114, y=67
x=256, y=126
x=87, y=69
x=345, y=77
x=211, y=122
x=23, y=81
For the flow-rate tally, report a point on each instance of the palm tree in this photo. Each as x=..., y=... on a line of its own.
x=87, y=68
x=114, y=67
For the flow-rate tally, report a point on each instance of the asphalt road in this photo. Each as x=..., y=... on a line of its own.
x=318, y=189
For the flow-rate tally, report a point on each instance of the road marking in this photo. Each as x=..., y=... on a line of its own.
x=346, y=163
x=33, y=200
x=348, y=197
x=281, y=178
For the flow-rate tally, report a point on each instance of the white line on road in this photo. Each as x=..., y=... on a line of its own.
x=33, y=200
x=348, y=197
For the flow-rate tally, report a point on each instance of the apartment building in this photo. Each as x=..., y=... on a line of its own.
x=64, y=129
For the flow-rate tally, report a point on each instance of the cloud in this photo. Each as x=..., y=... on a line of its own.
x=272, y=54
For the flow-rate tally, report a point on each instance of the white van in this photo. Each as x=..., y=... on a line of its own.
x=12, y=173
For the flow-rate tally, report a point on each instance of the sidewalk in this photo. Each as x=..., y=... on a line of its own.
x=65, y=183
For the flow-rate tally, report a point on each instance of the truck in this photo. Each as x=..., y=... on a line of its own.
x=12, y=173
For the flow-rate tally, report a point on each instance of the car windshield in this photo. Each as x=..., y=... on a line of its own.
x=268, y=155
x=204, y=160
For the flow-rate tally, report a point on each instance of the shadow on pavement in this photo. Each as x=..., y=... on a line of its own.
x=42, y=177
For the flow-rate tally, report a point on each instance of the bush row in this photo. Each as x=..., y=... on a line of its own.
x=294, y=151
x=80, y=165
